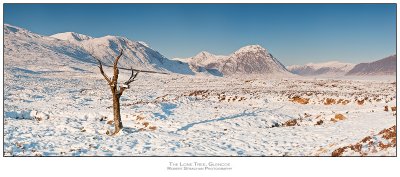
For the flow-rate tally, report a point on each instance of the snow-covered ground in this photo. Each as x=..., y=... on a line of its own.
x=60, y=112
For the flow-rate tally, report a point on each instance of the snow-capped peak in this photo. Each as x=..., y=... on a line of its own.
x=204, y=58
x=9, y=28
x=204, y=54
x=71, y=36
x=144, y=43
x=251, y=48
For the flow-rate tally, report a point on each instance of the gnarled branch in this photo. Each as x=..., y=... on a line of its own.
x=126, y=84
x=132, y=78
x=137, y=70
x=103, y=73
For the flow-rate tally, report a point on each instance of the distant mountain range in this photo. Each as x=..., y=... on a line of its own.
x=386, y=66
x=332, y=68
x=65, y=50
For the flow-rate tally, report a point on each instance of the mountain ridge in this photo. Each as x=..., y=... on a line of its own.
x=330, y=68
x=70, y=47
x=385, y=66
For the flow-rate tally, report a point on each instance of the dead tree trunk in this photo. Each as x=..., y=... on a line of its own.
x=116, y=91
x=116, y=111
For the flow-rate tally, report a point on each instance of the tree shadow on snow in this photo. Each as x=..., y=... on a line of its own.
x=234, y=116
x=167, y=110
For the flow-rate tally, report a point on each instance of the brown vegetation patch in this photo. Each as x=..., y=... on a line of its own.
x=300, y=100
x=329, y=101
x=166, y=98
x=366, y=139
x=307, y=115
x=202, y=93
x=370, y=144
x=290, y=123
x=360, y=102
x=356, y=148
x=144, y=125
x=320, y=122
x=242, y=98
x=338, y=117
x=110, y=122
x=345, y=102
x=223, y=97
x=386, y=108
x=140, y=117
x=152, y=128
x=389, y=134
x=338, y=152
x=342, y=101
x=393, y=108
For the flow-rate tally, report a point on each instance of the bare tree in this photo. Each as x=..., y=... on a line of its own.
x=117, y=91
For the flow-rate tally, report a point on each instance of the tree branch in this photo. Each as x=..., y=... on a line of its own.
x=132, y=78
x=138, y=70
x=115, y=68
x=103, y=73
x=126, y=84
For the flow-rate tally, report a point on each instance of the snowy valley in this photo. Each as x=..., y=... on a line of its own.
x=56, y=103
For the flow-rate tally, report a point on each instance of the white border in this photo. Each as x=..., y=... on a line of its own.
x=156, y=166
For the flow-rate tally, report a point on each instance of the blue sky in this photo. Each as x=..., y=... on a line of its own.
x=294, y=33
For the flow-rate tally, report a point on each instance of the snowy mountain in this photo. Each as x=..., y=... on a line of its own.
x=68, y=49
x=332, y=68
x=136, y=54
x=386, y=66
x=71, y=36
x=249, y=60
x=206, y=59
x=41, y=53
x=253, y=59
x=205, y=62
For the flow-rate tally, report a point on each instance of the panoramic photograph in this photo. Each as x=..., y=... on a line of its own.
x=199, y=80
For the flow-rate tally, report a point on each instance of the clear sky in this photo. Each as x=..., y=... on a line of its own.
x=294, y=33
